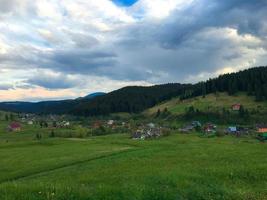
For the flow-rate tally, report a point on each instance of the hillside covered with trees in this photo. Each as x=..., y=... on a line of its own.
x=252, y=81
x=129, y=99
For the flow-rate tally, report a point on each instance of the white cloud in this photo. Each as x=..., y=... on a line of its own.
x=158, y=8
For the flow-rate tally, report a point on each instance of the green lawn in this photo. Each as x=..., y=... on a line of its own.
x=117, y=168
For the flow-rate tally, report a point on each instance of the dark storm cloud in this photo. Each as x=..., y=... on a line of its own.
x=53, y=81
x=80, y=61
x=194, y=40
x=248, y=17
x=6, y=6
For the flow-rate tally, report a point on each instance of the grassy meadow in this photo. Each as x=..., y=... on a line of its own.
x=211, y=103
x=115, y=167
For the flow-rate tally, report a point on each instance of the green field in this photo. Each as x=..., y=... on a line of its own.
x=118, y=168
x=211, y=103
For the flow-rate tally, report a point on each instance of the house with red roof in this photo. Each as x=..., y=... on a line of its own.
x=236, y=107
x=262, y=132
x=14, y=126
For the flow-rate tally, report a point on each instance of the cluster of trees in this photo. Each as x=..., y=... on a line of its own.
x=162, y=113
x=129, y=99
x=252, y=81
x=9, y=117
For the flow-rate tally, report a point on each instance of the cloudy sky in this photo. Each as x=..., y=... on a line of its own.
x=56, y=49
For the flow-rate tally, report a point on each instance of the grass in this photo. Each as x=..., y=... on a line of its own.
x=116, y=167
x=212, y=102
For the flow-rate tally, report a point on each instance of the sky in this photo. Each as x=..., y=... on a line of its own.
x=58, y=49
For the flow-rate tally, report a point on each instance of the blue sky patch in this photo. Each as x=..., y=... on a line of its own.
x=125, y=2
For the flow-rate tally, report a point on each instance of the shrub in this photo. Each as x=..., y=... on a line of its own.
x=52, y=133
x=38, y=136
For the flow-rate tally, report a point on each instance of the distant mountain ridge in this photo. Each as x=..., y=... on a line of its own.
x=93, y=95
x=46, y=107
x=127, y=99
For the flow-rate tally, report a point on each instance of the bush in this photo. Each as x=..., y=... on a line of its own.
x=101, y=131
x=38, y=136
x=52, y=133
x=220, y=133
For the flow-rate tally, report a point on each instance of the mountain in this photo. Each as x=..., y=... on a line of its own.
x=93, y=95
x=131, y=99
x=128, y=99
x=46, y=107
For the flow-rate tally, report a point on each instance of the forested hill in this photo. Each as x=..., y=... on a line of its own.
x=135, y=99
x=129, y=99
x=252, y=81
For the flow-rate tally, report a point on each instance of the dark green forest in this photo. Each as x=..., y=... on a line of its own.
x=132, y=99
x=136, y=99
x=252, y=81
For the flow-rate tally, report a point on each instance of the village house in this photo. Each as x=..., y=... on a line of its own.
x=237, y=130
x=96, y=124
x=147, y=133
x=190, y=127
x=30, y=122
x=23, y=119
x=262, y=132
x=110, y=122
x=14, y=126
x=236, y=107
x=151, y=125
x=139, y=134
x=232, y=129
x=210, y=128
x=65, y=124
x=262, y=129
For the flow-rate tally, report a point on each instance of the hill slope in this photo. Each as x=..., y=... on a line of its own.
x=128, y=99
x=211, y=103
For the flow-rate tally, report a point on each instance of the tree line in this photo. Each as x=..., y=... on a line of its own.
x=252, y=81
x=132, y=99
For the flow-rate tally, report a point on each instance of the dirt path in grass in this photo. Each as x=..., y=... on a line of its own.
x=52, y=169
